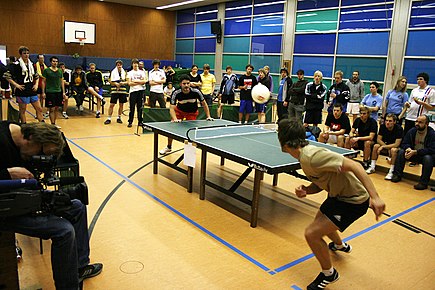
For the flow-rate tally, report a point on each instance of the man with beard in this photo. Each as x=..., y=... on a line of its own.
x=418, y=145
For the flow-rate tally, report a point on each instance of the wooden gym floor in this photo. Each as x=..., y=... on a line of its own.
x=150, y=233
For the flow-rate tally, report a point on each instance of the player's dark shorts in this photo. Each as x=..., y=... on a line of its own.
x=260, y=108
x=245, y=106
x=4, y=84
x=227, y=99
x=360, y=145
x=39, y=91
x=313, y=117
x=343, y=214
x=53, y=100
x=115, y=97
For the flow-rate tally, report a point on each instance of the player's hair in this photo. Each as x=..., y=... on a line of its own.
x=156, y=61
x=43, y=133
x=61, y=64
x=53, y=57
x=249, y=65
x=376, y=84
x=134, y=60
x=23, y=49
x=183, y=78
x=283, y=70
x=426, y=117
x=291, y=132
x=193, y=66
x=338, y=105
x=92, y=64
x=118, y=61
x=363, y=109
x=318, y=73
x=300, y=72
x=425, y=76
x=357, y=71
x=392, y=116
x=206, y=66
x=339, y=72
x=262, y=70
x=397, y=87
x=229, y=67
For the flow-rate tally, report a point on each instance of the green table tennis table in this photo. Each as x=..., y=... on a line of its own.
x=253, y=146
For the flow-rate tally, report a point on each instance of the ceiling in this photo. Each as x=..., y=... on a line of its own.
x=156, y=3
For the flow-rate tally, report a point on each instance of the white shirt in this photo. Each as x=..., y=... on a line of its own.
x=426, y=95
x=157, y=76
x=134, y=75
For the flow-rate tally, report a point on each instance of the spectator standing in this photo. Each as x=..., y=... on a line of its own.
x=356, y=94
x=66, y=82
x=315, y=92
x=167, y=91
x=395, y=100
x=195, y=78
x=421, y=101
x=338, y=92
x=208, y=81
x=40, y=66
x=136, y=79
x=296, y=102
x=118, y=91
x=283, y=94
x=226, y=91
x=246, y=83
x=261, y=108
x=268, y=75
x=169, y=72
x=25, y=80
x=53, y=89
x=373, y=101
x=157, y=78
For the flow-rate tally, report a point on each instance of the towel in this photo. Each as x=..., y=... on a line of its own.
x=115, y=76
x=27, y=68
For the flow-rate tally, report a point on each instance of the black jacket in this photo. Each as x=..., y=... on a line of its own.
x=429, y=142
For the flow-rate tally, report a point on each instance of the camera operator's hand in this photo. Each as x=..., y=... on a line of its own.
x=20, y=173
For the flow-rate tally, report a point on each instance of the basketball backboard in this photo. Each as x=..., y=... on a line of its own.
x=74, y=31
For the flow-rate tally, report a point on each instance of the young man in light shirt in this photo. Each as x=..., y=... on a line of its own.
x=208, y=81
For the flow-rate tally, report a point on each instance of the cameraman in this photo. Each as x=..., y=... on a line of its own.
x=68, y=231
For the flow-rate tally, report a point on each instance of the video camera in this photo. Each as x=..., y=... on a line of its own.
x=18, y=197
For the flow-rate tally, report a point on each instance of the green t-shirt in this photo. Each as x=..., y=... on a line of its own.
x=323, y=167
x=53, y=80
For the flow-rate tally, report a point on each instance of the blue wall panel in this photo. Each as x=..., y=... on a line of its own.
x=312, y=63
x=367, y=43
x=315, y=43
x=421, y=43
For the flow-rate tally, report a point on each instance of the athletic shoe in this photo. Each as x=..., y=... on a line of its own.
x=65, y=115
x=46, y=115
x=107, y=122
x=370, y=170
x=322, y=281
x=89, y=271
x=119, y=121
x=389, y=176
x=346, y=249
x=129, y=125
x=165, y=150
x=396, y=178
x=57, y=126
x=98, y=115
x=81, y=108
x=420, y=186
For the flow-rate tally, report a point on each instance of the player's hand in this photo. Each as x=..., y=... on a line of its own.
x=210, y=119
x=20, y=87
x=176, y=121
x=285, y=104
x=378, y=206
x=20, y=173
x=35, y=87
x=301, y=191
x=407, y=104
x=380, y=149
x=43, y=95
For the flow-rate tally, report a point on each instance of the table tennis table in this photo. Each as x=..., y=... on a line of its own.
x=253, y=146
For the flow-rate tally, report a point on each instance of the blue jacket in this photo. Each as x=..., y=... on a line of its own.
x=429, y=142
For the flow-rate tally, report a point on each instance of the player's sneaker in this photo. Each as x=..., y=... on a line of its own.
x=81, y=108
x=119, y=121
x=97, y=115
x=322, y=281
x=389, y=176
x=370, y=170
x=107, y=122
x=165, y=150
x=346, y=249
x=46, y=115
x=65, y=115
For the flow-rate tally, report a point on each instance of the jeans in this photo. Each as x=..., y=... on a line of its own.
x=69, y=236
x=209, y=100
x=159, y=97
x=427, y=162
x=136, y=100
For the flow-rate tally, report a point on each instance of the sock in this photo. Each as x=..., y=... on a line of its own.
x=63, y=112
x=119, y=117
x=373, y=164
x=109, y=118
x=97, y=112
x=328, y=272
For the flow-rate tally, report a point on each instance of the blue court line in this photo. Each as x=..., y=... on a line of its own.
x=296, y=287
x=212, y=235
x=375, y=226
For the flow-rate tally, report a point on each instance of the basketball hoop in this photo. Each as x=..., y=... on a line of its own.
x=81, y=41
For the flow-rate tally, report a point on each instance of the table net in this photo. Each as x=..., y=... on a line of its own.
x=213, y=132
